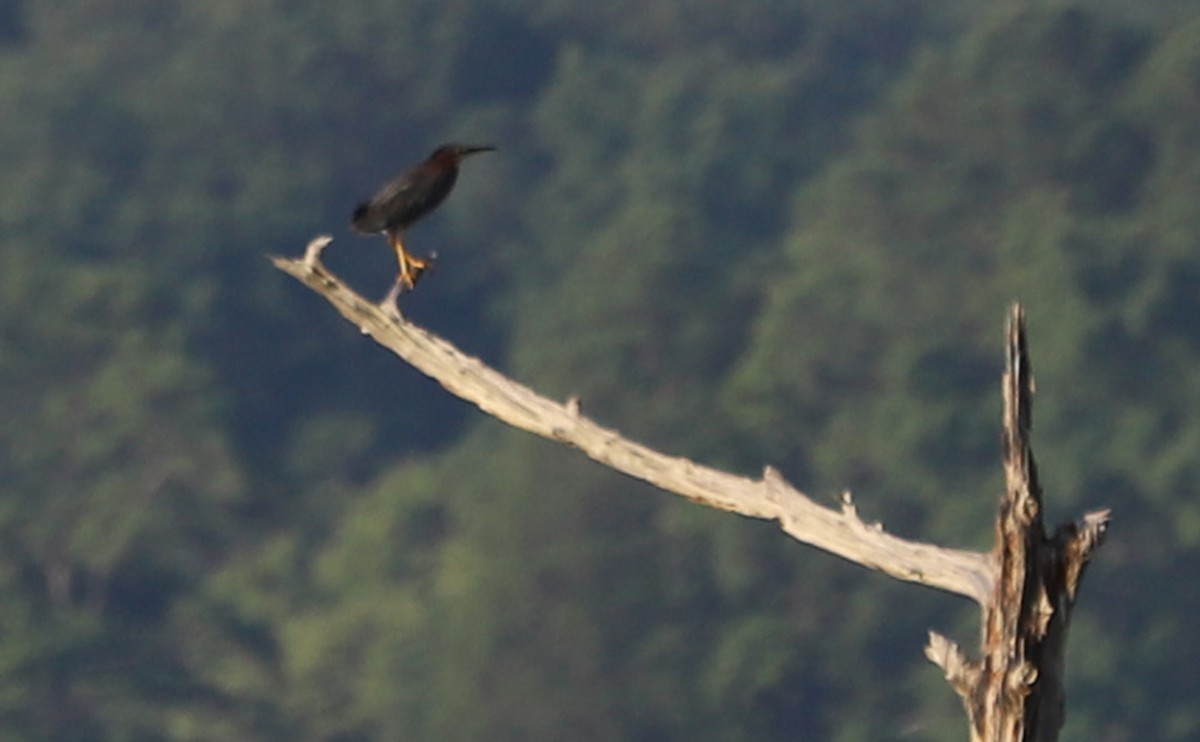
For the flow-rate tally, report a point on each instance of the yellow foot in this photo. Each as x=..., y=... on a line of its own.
x=416, y=268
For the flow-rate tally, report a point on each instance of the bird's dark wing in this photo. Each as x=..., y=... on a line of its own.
x=403, y=201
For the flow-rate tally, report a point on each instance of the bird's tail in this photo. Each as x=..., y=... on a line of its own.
x=364, y=221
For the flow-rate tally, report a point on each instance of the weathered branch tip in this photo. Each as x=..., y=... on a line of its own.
x=312, y=253
x=960, y=672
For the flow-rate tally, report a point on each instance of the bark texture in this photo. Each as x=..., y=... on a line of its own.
x=1016, y=691
x=1025, y=587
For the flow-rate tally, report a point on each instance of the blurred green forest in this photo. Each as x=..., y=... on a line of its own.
x=777, y=232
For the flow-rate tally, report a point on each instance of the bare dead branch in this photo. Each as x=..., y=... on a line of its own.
x=1026, y=586
x=962, y=674
x=840, y=532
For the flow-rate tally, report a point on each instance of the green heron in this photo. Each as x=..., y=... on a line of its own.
x=400, y=203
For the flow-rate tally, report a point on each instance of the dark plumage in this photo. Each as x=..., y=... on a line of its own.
x=400, y=203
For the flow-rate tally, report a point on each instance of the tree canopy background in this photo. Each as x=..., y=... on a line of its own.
x=749, y=233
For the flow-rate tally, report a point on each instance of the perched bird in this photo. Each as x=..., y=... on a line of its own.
x=400, y=203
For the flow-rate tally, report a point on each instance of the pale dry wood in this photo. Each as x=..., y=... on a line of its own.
x=1016, y=692
x=1026, y=585
x=839, y=531
x=960, y=672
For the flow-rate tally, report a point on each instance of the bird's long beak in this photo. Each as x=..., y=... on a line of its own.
x=476, y=150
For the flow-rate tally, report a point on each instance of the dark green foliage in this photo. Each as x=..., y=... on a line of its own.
x=750, y=233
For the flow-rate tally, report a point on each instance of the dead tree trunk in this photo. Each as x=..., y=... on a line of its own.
x=1016, y=691
x=1026, y=586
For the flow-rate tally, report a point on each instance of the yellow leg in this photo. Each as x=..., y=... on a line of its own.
x=411, y=267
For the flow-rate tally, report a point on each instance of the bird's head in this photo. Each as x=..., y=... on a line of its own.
x=452, y=154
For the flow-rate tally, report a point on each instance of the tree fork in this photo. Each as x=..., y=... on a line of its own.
x=1026, y=586
x=1016, y=692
